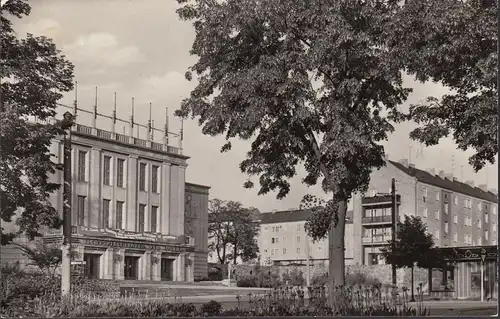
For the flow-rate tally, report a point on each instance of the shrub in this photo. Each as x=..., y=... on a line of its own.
x=215, y=274
x=351, y=279
x=211, y=309
x=294, y=278
x=247, y=282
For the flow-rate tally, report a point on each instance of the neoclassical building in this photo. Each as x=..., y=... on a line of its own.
x=133, y=214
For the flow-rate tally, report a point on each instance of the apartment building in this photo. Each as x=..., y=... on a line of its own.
x=457, y=214
x=133, y=214
x=283, y=240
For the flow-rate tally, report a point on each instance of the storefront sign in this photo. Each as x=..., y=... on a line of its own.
x=128, y=245
x=469, y=253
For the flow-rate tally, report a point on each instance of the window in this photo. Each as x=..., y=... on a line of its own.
x=486, y=234
x=479, y=223
x=465, y=203
x=82, y=159
x=154, y=218
x=455, y=200
x=466, y=239
x=436, y=214
x=142, y=177
x=486, y=218
x=494, y=227
x=154, y=179
x=120, y=168
x=480, y=241
x=469, y=203
x=106, y=171
x=455, y=219
x=446, y=208
x=277, y=240
x=424, y=194
x=298, y=251
x=455, y=237
x=298, y=226
x=437, y=234
x=105, y=212
x=140, y=224
x=81, y=210
x=272, y=240
x=284, y=251
x=272, y=252
x=479, y=206
x=494, y=210
x=298, y=239
x=446, y=227
x=119, y=215
x=438, y=195
x=319, y=248
x=425, y=212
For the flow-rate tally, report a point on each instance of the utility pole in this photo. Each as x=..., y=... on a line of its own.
x=393, y=226
x=66, y=125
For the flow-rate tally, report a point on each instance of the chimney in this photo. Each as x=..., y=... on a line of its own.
x=411, y=166
x=448, y=176
x=431, y=171
x=470, y=183
x=483, y=187
x=455, y=179
x=441, y=174
x=404, y=162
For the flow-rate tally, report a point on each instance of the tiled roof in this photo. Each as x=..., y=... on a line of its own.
x=292, y=216
x=457, y=187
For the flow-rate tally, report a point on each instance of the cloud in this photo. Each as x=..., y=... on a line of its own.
x=171, y=86
x=46, y=27
x=104, y=49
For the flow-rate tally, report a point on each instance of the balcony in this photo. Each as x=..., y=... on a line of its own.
x=379, y=200
x=376, y=220
x=376, y=239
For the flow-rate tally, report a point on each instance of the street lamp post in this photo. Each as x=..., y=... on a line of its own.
x=66, y=125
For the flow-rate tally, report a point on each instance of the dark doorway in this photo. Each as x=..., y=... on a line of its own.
x=131, y=267
x=167, y=269
x=92, y=265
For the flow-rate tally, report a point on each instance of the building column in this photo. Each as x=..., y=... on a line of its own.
x=95, y=219
x=145, y=266
x=131, y=205
x=182, y=201
x=79, y=250
x=190, y=268
x=155, y=262
x=164, y=214
x=180, y=265
x=119, y=262
x=108, y=263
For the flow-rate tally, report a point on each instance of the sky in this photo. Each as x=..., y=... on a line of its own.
x=141, y=49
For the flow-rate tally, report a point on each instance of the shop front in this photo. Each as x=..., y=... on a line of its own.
x=467, y=273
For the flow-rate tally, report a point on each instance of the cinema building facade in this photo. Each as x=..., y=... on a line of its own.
x=133, y=215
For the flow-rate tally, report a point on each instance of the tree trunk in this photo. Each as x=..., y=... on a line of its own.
x=336, y=254
x=235, y=256
x=412, y=285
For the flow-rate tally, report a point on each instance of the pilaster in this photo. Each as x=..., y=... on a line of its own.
x=94, y=203
x=164, y=214
x=156, y=267
x=181, y=199
x=131, y=206
x=180, y=266
x=119, y=262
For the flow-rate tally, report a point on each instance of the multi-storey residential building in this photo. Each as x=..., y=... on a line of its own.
x=133, y=214
x=283, y=240
x=457, y=214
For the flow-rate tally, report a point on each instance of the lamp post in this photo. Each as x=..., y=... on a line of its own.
x=66, y=125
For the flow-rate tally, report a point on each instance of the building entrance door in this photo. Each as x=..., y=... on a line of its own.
x=167, y=269
x=92, y=265
x=131, y=267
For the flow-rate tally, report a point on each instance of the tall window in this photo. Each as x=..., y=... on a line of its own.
x=455, y=200
x=424, y=194
x=119, y=215
x=438, y=195
x=437, y=234
x=154, y=179
x=154, y=216
x=284, y=251
x=446, y=227
x=82, y=158
x=298, y=239
x=455, y=237
x=436, y=214
x=446, y=208
x=142, y=177
x=298, y=251
x=479, y=206
x=140, y=224
x=486, y=234
x=106, y=178
x=105, y=212
x=80, y=210
x=425, y=212
x=120, y=168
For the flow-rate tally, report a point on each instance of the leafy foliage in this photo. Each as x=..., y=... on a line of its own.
x=232, y=225
x=413, y=245
x=46, y=257
x=33, y=74
x=453, y=42
x=310, y=83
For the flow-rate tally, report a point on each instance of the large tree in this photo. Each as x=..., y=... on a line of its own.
x=232, y=231
x=413, y=246
x=33, y=75
x=454, y=43
x=310, y=83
